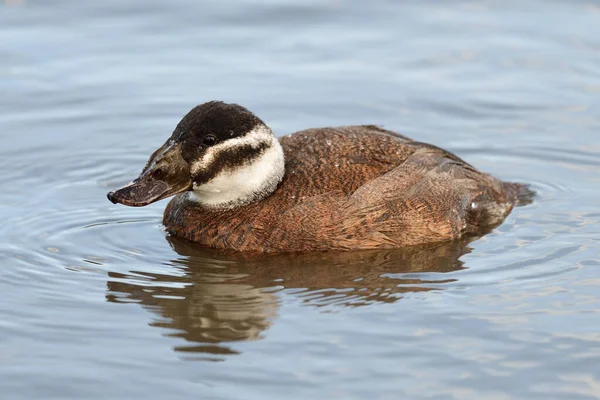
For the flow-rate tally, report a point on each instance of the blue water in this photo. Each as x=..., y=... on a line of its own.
x=97, y=303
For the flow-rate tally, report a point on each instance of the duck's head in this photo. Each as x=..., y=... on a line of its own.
x=221, y=153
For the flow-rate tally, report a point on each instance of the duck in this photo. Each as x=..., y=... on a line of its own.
x=237, y=187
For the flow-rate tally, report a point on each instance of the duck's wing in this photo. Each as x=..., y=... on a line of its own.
x=432, y=196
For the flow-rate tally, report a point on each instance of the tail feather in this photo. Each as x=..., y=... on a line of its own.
x=521, y=193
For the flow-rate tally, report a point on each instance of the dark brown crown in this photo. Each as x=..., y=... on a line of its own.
x=215, y=118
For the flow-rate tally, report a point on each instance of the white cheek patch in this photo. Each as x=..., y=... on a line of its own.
x=255, y=138
x=246, y=183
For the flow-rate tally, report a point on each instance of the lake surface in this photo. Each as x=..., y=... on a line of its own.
x=97, y=303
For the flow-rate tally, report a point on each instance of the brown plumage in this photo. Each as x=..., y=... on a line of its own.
x=355, y=187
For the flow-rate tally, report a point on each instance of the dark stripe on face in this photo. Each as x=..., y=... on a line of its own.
x=230, y=159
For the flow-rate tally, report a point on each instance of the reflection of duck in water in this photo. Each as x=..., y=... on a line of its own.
x=358, y=187
x=225, y=298
x=208, y=307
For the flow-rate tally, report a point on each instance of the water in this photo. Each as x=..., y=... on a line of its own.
x=97, y=303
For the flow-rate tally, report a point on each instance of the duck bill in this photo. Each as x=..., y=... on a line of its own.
x=166, y=174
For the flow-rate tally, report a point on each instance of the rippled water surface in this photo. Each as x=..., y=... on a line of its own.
x=97, y=303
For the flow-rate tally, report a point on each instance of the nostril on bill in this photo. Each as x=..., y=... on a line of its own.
x=159, y=174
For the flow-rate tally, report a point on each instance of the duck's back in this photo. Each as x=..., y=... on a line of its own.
x=325, y=160
x=356, y=187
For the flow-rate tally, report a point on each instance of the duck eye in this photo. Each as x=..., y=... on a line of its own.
x=209, y=140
